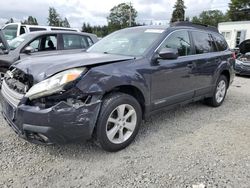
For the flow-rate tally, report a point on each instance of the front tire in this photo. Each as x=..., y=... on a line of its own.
x=119, y=121
x=220, y=92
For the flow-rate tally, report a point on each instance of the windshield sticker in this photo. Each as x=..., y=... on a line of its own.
x=154, y=31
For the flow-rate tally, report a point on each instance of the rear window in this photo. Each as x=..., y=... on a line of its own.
x=220, y=42
x=33, y=29
x=203, y=42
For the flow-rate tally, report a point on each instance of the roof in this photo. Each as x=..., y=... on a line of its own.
x=236, y=22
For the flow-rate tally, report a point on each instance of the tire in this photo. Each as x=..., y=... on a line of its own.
x=219, y=94
x=115, y=130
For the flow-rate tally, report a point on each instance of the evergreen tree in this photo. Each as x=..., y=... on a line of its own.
x=65, y=23
x=10, y=21
x=239, y=10
x=30, y=21
x=54, y=18
x=179, y=11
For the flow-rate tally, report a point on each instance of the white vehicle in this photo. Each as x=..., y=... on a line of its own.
x=12, y=30
x=235, y=32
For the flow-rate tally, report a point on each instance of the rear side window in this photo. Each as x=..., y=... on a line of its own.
x=33, y=29
x=75, y=41
x=203, y=42
x=179, y=40
x=220, y=42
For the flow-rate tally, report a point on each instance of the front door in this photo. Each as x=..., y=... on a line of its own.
x=172, y=80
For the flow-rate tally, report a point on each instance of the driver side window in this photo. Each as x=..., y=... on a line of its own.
x=44, y=43
x=179, y=40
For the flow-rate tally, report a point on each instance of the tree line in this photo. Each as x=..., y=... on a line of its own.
x=124, y=15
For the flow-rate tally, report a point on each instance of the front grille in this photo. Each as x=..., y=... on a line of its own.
x=246, y=66
x=10, y=95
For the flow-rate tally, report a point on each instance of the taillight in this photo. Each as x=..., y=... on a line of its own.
x=233, y=55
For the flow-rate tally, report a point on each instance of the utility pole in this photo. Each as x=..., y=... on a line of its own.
x=130, y=14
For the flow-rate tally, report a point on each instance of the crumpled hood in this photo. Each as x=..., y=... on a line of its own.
x=43, y=67
x=245, y=46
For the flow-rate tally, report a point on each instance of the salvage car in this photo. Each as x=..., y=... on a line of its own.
x=242, y=63
x=44, y=43
x=106, y=92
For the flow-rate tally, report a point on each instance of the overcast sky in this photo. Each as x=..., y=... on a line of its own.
x=96, y=11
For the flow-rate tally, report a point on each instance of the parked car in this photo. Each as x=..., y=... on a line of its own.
x=122, y=79
x=242, y=63
x=13, y=30
x=44, y=43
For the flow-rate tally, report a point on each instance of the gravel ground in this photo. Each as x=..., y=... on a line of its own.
x=193, y=146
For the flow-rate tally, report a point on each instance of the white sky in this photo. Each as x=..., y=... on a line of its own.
x=95, y=12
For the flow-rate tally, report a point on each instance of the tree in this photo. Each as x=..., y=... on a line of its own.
x=179, y=11
x=65, y=23
x=239, y=10
x=210, y=17
x=86, y=28
x=30, y=21
x=121, y=16
x=10, y=21
x=54, y=18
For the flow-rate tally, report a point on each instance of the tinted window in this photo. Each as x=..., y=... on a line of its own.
x=179, y=40
x=203, y=42
x=61, y=29
x=75, y=42
x=220, y=42
x=32, y=29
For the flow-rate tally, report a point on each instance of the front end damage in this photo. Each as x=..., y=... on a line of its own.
x=62, y=117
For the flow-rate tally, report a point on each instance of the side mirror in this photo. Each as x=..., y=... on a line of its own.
x=28, y=50
x=168, y=53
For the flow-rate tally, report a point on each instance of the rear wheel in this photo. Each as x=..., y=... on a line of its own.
x=118, y=122
x=220, y=92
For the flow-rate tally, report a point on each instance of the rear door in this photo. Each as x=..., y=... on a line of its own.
x=206, y=62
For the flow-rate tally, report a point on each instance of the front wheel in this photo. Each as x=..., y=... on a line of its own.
x=220, y=92
x=118, y=122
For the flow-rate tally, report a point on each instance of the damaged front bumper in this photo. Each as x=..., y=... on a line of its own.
x=58, y=124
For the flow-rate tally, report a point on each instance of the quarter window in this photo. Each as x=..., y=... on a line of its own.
x=203, y=42
x=179, y=40
x=220, y=42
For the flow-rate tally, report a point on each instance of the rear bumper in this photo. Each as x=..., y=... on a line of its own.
x=58, y=124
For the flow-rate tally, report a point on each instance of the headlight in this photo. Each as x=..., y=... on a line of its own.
x=54, y=84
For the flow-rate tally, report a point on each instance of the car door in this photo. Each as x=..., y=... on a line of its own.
x=206, y=62
x=172, y=80
x=42, y=45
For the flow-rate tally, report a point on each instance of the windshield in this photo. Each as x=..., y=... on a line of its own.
x=17, y=41
x=10, y=31
x=129, y=42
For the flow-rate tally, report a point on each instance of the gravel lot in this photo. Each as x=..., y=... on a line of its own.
x=193, y=146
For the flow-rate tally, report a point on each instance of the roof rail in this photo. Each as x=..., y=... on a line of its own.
x=198, y=26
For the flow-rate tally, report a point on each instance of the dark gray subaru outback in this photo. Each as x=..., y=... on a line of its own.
x=106, y=92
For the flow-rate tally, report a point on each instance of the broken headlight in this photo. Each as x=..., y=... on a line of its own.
x=54, y=84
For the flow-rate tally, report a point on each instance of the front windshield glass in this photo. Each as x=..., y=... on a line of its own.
x=14, y=43
x=10, y=31
x=130, y=42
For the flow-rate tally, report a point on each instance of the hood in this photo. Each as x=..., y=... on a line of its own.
x=245, y=46
x=43, y=67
